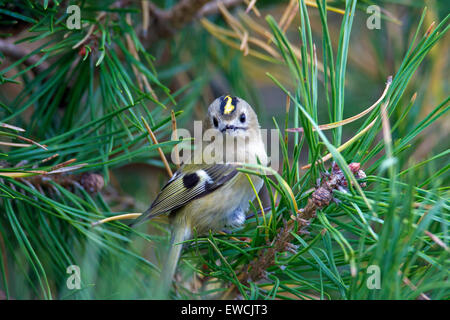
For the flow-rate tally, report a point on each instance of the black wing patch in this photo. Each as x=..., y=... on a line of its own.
x=190, y=180
x=196, y=181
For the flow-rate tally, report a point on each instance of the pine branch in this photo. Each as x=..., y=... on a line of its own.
x=320, y=198
x=165, y=23
x=213, y=7
x=16, y=52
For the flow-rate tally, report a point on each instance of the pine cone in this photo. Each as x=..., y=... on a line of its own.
x=92, y=182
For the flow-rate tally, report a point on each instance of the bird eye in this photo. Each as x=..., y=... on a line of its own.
x=242, y=117
x=216, y=123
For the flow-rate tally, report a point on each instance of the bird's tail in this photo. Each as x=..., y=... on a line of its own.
x=179, y=234
x=143, y=217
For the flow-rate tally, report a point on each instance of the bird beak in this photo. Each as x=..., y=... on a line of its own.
x=228, y=127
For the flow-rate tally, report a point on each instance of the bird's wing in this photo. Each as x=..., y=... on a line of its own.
x=188, y=183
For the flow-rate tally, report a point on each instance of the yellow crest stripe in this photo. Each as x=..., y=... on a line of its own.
x=229, y=107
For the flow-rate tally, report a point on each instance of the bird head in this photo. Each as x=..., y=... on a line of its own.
x=232, y=115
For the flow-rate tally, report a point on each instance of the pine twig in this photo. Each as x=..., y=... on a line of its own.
x=161, y=153
x=174, y=133
x=91, y=182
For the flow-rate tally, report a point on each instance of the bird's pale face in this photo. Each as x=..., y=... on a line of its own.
x=232, y=116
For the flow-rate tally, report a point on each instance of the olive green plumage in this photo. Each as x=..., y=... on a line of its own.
x=209, y=193
x=187, y=185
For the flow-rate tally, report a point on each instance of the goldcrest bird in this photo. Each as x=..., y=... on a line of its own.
x=210, y=193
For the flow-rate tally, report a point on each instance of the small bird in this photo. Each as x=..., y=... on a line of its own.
x=210, y=193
